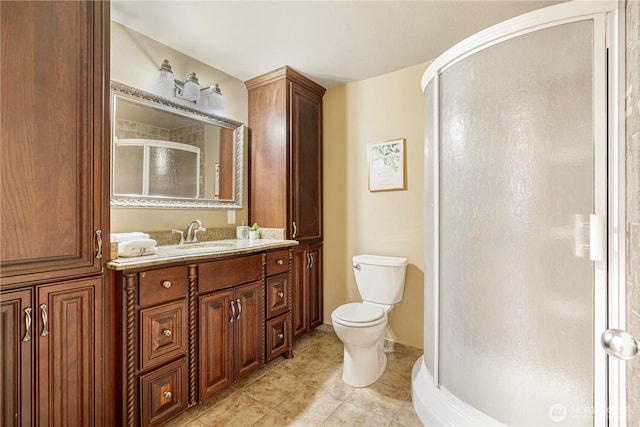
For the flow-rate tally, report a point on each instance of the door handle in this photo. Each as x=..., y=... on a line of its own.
x=619, y=344
x=233, y=311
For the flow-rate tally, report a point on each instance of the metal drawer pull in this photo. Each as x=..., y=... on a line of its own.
x=239, y=308
x=295, y=230
x=279, y=262
x=233, y=312
x=280, y=336
x=167, y=395
x=27, y=322
x=166, y=284
x=166, y=332
x=280, y=294
x=45, y=319
x=99, y=240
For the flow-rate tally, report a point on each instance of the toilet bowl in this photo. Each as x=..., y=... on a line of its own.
x=361, y=325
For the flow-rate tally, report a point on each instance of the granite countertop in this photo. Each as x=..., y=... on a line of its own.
x=201, y=251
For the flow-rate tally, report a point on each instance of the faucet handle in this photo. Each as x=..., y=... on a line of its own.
x=181, y=235
x=195, y=233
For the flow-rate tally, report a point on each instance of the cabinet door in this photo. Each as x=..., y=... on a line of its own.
x=248, y=329
x=314, y=280
x=16, y=342
x=54, y=133
x=68, y=348
x=306, y=161
x=299, y=308
x=216, y=370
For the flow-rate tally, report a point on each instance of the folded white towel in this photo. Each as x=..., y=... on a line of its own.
x=137, y=247
x=123, y=237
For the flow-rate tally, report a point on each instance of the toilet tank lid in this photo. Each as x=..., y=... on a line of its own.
x=380, y=260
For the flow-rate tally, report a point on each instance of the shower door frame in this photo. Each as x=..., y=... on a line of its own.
x=609, y=180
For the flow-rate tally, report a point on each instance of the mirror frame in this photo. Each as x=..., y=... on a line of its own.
x=120, y=90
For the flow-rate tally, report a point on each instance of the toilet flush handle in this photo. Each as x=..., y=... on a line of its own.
x=356, y=266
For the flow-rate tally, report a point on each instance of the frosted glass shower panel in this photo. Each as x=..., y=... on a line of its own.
x=173, y=172
x=516, y=167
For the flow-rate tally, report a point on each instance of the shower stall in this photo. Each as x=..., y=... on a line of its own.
x=520, y=227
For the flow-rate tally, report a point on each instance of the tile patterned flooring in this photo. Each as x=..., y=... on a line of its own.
x=308, y=390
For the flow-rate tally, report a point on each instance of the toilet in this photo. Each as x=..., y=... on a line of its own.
x=361, y=326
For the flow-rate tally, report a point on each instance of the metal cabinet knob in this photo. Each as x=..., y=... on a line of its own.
x=280, y=294
x=620, y=344
x=166, y=332
x=166, y=284
x=279, y=262
x=280, y=336
x=167, y=395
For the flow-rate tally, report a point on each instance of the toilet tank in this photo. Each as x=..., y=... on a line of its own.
x=380, y=279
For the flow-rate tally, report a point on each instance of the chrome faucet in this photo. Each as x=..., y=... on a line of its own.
x=191, y=233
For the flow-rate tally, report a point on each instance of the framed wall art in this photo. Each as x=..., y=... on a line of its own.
x=387, y=165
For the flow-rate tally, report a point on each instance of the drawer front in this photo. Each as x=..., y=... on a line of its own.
x=163, y=393
x=277, y=262
x=217, y=275
x=278, y=336
x=277, y=295
x=163, y=333
x=160, y=286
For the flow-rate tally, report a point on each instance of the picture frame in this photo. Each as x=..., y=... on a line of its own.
x=387, y=165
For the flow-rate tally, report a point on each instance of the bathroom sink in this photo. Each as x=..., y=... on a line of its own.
x=207, y=245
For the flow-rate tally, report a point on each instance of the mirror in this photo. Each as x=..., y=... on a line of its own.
x=167, y=155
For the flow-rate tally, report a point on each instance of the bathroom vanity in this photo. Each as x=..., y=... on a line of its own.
x=196, y=319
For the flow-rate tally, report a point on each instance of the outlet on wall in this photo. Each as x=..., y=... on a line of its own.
x=231, y=217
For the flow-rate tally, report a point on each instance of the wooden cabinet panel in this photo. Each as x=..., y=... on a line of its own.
x=222, y=274
x=277, y=290
x=68, y=353
x=53, y=146
x=163, y=333
x=306, y=153
x=278, y=336
x=163, y=393
x=285, y=117
x=16, y=367
x=163, y=285
x=300, y=291
x=248, y=328
x=216, y=371
x=314, y=278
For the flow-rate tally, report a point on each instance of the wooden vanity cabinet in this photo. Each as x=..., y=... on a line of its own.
x=51, y=361
x=54, y=174
x=307, y=288
x=231, y=313
x=156, y=352
x=285, y=117
x=278, y=304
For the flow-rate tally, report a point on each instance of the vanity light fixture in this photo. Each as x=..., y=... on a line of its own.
x=215, y=100
x=190, y=90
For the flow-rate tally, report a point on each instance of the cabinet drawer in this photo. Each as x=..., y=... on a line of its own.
x=278, y=336
x=163, y=333
x=163, y=393
x=277, y=295
x=230, y=272
x=166, y=284
x=277, y=262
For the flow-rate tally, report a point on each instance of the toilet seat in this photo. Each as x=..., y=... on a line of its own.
x=359, y=315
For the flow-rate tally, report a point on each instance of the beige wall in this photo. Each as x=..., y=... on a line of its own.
x=357, y=221
x=135, y=60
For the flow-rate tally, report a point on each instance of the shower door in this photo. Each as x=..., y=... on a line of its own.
x=522, y=166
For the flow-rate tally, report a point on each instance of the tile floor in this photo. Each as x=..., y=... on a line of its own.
x=307, y=390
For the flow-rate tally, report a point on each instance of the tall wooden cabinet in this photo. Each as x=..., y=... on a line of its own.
x=55, y=140
x=285, y=118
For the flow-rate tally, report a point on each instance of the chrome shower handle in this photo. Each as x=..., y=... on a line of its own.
x=620, y=344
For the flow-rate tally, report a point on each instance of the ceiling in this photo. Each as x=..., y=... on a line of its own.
x=332, y=42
